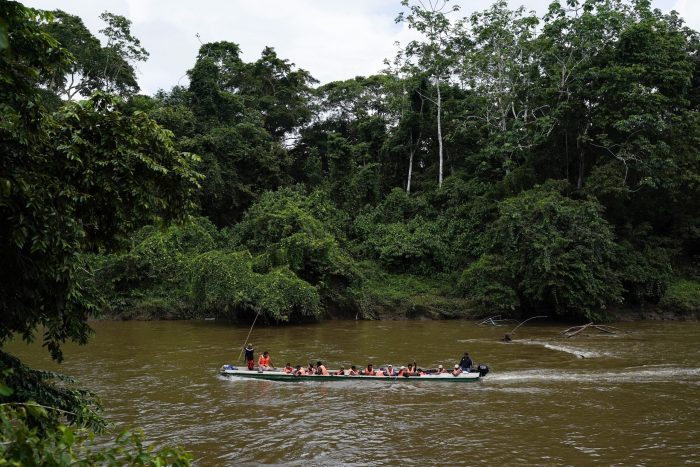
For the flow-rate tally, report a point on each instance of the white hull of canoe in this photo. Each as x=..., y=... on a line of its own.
x=276, y=375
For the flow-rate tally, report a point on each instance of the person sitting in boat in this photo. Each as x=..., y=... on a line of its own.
x=389, y=371
x=466, y=363
x=440, y=370
x=339, y=372
x=299, y=371
x=457, y=371
x=249, y=356
x=264, y=362
x=402, y=371
x=311, y=370
x=321, y=369
x=411, y=370
x=288, y=368
x=353, y=371
x=369, y=371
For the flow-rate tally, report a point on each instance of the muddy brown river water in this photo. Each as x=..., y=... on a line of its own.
x=628, y=399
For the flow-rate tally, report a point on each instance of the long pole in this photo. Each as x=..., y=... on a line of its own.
x=516, y=327
x=248, y=336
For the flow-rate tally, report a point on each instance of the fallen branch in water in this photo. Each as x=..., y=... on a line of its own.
x=495, y=321
x=571, y=332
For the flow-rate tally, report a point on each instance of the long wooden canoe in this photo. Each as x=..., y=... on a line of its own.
x=277, y=375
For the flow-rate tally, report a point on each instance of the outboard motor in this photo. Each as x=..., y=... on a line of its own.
x=483, y=370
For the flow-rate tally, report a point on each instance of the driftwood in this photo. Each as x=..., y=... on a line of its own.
x=495, y=321
x=575, y=330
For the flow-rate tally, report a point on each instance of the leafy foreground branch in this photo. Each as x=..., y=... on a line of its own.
x=24, y=444
x=45, y=421
x=73, y=178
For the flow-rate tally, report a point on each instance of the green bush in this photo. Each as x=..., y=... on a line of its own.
x=224, y=283
x=555, y=251
x=148, y=279
x=416, y=246
x=300, y=232
x=384, y=295
x=487, y=282
x=644, y=272
x=682, y=296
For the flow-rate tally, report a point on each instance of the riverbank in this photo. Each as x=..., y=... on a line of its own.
x=423, y=307
x=653, y=313
x=373, y=294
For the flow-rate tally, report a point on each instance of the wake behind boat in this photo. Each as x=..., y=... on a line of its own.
x=279, y=375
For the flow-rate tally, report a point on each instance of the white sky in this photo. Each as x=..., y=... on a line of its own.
x=332, y=39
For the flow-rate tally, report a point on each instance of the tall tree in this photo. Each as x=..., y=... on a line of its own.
x=279, y=92
x=435, y=56
x=500, y=66
x=72, y=181
x=244, y=113
x=108, y=68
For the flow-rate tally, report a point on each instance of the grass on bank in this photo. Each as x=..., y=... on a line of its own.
x=682, y=297
x=405, y=296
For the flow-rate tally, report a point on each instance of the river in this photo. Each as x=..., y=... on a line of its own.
x=631, y=398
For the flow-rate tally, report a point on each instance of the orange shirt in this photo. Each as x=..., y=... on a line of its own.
x=264, y=361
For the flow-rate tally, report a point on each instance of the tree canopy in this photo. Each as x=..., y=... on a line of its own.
x=588, y=112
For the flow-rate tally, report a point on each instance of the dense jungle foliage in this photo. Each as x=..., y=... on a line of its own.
x=504, y=163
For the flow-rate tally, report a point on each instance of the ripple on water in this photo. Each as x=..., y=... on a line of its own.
x=577, y=351
x=636, y=375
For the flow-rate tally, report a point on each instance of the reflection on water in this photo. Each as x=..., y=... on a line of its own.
x=626, y=399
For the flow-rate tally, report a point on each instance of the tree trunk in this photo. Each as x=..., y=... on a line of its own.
x=581, y=155
x=439, y=129
x=579, y=182
x=410, y=168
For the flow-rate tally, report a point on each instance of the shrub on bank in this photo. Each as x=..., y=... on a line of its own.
x=553, y=252
x=682, y=297
x=225, y=284
x=383, y=295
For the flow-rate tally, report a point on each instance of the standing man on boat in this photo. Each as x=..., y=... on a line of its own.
x=249, y=356
x=466, y=363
